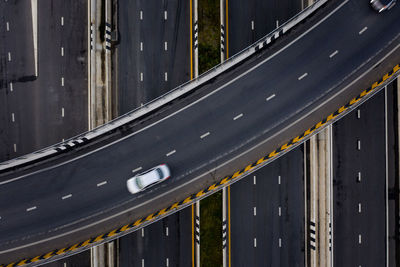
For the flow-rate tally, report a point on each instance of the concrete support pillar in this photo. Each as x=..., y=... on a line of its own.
x=196, y=40
x=197, y=233
x=320, y=227
x=97, y=257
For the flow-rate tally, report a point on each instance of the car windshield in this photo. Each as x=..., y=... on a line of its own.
x=160, y=174
x=139, y=183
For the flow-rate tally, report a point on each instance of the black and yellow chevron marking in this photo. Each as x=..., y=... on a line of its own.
x=213, y=187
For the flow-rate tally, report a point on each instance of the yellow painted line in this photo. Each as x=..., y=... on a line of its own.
x=73, y=247
x=285, y=146
x=187, y=200
x=21, y=263
x=297, y=139
x=192, y=235
x=148, y=218
x=87, y=242
x=112, y=233
x=99, y=238
x=272, y=154
x=137, y=222
x=319, y=124
x=61, y=251
x=163, y=211
x=34, y=259
x=48, y=255
x=10, y=265
x=125, y=227
x=260, y=161
x=226, y=30
x=191, y=42
x=211, y=187
x=199, y=194
x=229, y=225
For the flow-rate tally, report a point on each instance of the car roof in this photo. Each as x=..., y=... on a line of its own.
x=149, y=177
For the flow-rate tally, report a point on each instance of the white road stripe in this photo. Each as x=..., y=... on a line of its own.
x=359, y=177
x=11, y=87
x=359, y=207
x=166, y=76
x=254, y=179
x=255, y=211
x=62, y=21
x=67, y=196
x=141, y=15
x=165, y=46
x=62, y=51
x=252, y=25
x=359, y=239
x=167, y=262
x=302, y=76
x=238, y=116
x=31, y=208
x=102, y=183
x=170, y=153
x=62, y=112
x=9, y=56
x=165, y=14
x=279, y=211
x=137, y=169
x=141, y=76
x=255, y=242
x=141, y=46
x=333, y=54
x=358, y=113
x=277, y=23
x=8, y=26
x=359, y=144
x=280, y=242
x=62, y=81
x=166, y=231
x=279, y=179
x=12, y=117
x=363, y=30
x=270, y=97
x=205, y=135
x=15, y=147
x=142, y=262
x=142, y=232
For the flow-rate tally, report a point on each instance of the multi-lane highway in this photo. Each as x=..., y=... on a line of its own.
x=153, y=55
x=265, y=94
x=37, y=111
x=267, y=215
x=360, y=185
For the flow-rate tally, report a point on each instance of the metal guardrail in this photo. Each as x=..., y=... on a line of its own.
x=163, y=99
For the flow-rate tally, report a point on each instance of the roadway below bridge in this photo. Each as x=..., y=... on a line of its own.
x=227, y=123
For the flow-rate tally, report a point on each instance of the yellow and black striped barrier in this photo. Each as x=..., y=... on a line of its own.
x=214, y=187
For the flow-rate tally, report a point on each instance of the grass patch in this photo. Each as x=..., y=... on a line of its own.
x=211, y=231
x=209, y=47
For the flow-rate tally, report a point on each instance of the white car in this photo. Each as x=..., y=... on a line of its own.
x=148, y=178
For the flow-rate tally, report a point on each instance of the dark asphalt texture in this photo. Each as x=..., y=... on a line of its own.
x=181, y=132
x=153, y=61
x=79, y=260
x=264, y=15
x=37, y=103
x=153, y=246
x=267, y=195
x=348, y=223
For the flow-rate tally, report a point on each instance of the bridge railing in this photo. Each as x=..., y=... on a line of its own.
x=160, y=101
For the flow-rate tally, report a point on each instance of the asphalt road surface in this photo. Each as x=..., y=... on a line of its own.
x=267, y=215
x=38, y=112
x=359, y=186
x=167, y=242
x=248, y=21
x=35, y=209
x=153, y=55
x=78, y=260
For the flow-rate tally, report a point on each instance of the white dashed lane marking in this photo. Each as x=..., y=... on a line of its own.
x=359, y=239
x=165, y=46
x=359, y=177
x=137, y=169
x=255, y=242
x=62, y=112
x=270, y=97
x=66, y=196
x=9, y=56
x=141, y=76
x=166, y=76
x=252, y=25
x=141, y=15
x=170, y=153
x=358, y=114
x=15, y=147
x=205, y=135
x=302, y=76
x=102, y=183
x=333, y=54
x=363, y=30
x=62, y=81
x=166, y=231
x=12, y=117
x=279, y=212
x=238, y=116
x=62, y=21
x=11, y=87
x=165, y=15
x=8, y=26
x=141, y=46
x=31, y=208
x=62, y=51
x=254, y=180
x=359, y=207
x=255, y=211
